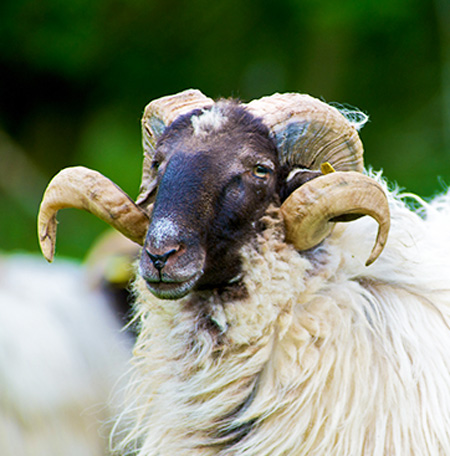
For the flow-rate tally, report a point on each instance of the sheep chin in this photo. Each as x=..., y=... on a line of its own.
x=173, y=290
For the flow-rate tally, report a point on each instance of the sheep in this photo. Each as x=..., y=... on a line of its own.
x=274, y=318
x=61, y=359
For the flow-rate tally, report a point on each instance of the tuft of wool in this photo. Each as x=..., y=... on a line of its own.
x=209, y=120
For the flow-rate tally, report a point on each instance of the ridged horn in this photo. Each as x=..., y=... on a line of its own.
x=309, y=132
x=158, y=115
x=312, y=210
x=82, y=188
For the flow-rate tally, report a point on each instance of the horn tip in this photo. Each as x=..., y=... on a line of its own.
x=382, y=237
x=48, y=249
x=376, y=252
x=47, y=238
x=371, y=259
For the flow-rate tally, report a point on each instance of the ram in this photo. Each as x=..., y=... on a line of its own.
x=269, y=325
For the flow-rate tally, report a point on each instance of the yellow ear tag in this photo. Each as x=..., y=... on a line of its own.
x=326, y=168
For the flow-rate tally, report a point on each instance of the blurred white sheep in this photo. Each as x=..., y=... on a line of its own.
x=62, y=356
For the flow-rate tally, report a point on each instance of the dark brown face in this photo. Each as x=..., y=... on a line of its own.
x=215, y=179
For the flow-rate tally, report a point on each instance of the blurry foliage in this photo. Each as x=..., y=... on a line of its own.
x=75, y=76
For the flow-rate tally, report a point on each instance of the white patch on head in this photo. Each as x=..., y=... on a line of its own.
x=209, y=120
x=162, y=230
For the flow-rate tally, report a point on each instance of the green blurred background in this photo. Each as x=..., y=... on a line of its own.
x=75, y=76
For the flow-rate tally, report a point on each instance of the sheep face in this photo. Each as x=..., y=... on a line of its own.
x=217, y=173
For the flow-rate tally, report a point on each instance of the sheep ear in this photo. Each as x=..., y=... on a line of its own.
x=295, y=179
x=300, y=176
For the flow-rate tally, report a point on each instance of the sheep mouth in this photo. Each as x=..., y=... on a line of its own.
x=172, y=290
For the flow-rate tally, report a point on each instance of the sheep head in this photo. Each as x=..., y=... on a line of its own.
x=210, y=172
x=216, y=171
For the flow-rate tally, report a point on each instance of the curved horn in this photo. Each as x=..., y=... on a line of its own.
x=82, y=188
x=312, y=210
x=309, y=132
x=159, y=114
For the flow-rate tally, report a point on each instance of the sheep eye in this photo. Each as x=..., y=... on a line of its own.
x=260, y=171
x=155, y=165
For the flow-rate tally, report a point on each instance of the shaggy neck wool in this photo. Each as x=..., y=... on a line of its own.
x=324, y=356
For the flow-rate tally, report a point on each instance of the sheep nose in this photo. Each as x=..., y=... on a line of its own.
x=159, y=261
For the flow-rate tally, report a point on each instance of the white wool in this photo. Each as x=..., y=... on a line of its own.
x=325, y=356
x=353, y=115
x=208, y=120
x=356, y=118
x=61, y=355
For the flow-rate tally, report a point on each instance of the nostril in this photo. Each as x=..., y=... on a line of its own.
x=159, y=261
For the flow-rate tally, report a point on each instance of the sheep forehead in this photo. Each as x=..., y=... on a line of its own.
x=209, y=120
